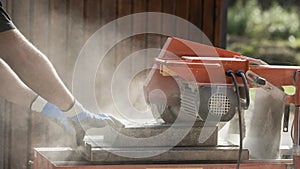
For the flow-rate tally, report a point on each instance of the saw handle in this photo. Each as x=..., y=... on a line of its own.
x=286, y=117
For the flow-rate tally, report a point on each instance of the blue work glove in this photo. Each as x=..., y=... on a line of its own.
x=52, y=112
x=82, y=120
x=78, y=114
x=57, y=116
x=76, y=118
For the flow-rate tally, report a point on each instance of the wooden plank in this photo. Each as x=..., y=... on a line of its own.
x=92, y=20
x=20, y=128
x=75, y=34
x=19, y=137
x=8, y=6
x=39, y=130
x=39, y=38
x=21, y=16
x=40, y=24
x=195, y=17
x=195, y=14
x=168, y=6
x=57, y=55
x=138, y=44
x=208, y=19
x=124, y=47
x=139, y=41
x=58, y=35
x=182, y=11
x=92, y=17
x=2, y=133
x=124, y=7
x=218, y=23
x=223, y=23
x=109, y=10
x=154, y=41
x=8, y=135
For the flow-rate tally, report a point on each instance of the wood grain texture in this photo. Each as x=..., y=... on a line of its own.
x=20, y=117
x=58, y=35
x=92, y=17
x=124, y=47
x=20, y=129
x=195, y=17
x=7, y=135
x=218, y=23
x=208, y=19
x=154, y=40
x=182, y=11
x=139, y=41
x=75, y=36
x=109, y=12
x=169, y=7
x=39, y=37
x=22, y=8
x=2, y=132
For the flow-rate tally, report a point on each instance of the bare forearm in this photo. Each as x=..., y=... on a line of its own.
x=12, y=88
x=34, y=69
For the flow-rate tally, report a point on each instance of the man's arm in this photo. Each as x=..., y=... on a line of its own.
x=34, y=68
x=12, y=88
x=31, y=66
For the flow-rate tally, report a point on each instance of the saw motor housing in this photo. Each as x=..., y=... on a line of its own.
x=192, y=77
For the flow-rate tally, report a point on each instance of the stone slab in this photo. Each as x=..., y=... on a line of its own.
x=158, y=136
x=158, y=155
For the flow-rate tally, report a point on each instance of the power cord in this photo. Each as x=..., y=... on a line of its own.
x=243, y=76
x=232, y=75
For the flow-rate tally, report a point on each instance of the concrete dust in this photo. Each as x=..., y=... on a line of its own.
x=104, y=86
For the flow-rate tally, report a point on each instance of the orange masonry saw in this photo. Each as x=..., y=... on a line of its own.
x=201, y=82
x=190, y=89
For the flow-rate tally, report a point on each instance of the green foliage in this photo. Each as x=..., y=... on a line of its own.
x=237, y=19
x=250, y=20
x=271, y=34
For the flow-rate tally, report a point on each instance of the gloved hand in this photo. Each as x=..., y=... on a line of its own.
x=78, y=114
x=76, y=118
x=82, y=120
x=52, y=112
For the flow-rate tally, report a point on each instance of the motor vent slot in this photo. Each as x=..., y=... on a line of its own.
x=219, y=104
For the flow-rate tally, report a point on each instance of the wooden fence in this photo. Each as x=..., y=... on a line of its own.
x=59, y=28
